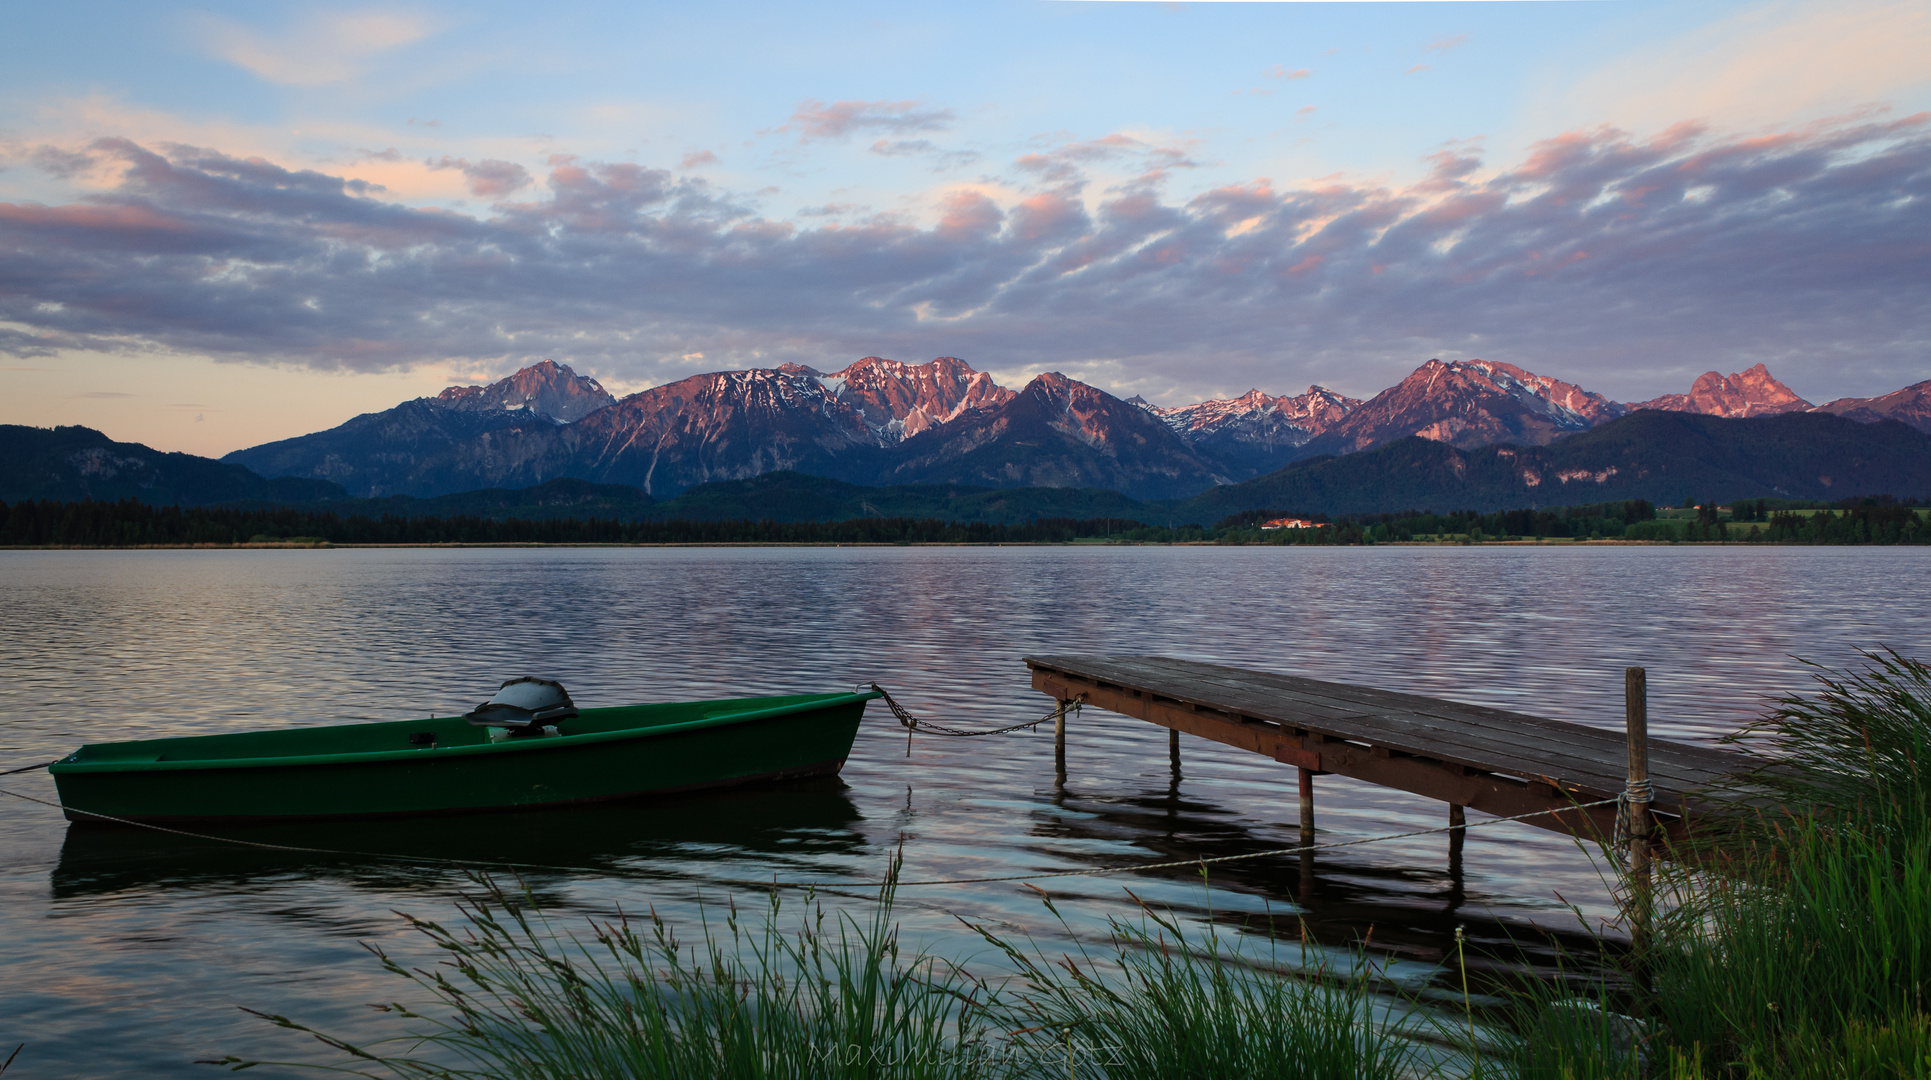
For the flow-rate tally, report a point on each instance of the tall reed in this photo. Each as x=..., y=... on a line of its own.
x=1164, y=1003
x=1792, y=939
x=831, y=997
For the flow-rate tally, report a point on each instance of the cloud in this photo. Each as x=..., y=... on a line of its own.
x=903, y=147
x=1619, y=261
x=1067, y=162
x=1446, y=43
x=1775, y=63
x=943, y=158
x=816, y=120
x=1280, y=71
x=103, y=395
x=1417, y=67
x=696, y=158
x=487, y=179
x=325, y=49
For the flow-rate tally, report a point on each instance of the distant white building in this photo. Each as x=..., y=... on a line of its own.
x=1291, y=523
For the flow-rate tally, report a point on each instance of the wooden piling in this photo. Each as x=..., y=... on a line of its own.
x=1636, y=719
x=1059, y=740
x=1307, y=806
x=1457, y=822
x=1173, y=749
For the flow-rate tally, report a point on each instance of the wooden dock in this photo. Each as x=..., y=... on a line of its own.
x=1499, y=762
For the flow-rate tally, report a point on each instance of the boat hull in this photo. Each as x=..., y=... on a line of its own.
x=371, y=770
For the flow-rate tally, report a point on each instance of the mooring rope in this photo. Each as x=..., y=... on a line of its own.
x=1638, y=792
x=28, y=768
x=618, y=872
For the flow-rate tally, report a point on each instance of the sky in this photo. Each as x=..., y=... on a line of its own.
x=225, y=224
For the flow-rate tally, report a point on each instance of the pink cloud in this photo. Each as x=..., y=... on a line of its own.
x=814, y=119
x=1594, y=253
x=487, y=179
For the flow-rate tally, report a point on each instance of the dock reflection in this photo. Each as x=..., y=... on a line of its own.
x=1413, y=910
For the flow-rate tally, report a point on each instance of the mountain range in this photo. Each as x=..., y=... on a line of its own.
x=883, y=422
x=1466, y=434
x=1666, y=457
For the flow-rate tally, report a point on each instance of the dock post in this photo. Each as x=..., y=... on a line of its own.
x=1457, y=826
x=1173, y=749
x=1059, y=740
x=1307, y=807
x=1636, y=810
x=1636, y=719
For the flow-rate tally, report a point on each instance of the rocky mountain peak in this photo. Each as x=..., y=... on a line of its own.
x=547, y=389
x=1754, y=392
x=1911, y=405
x=899, y=400
x=1468, y=403
x=1256, y=427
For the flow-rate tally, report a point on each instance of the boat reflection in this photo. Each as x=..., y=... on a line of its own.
x=782, y=825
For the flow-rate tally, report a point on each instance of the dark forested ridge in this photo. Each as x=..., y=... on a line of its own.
x=1664, y=457
x=81, y=463
x=131, y=523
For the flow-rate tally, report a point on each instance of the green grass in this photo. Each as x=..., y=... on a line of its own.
x=1794, y=941
x=814, y=994
x=831, y=997
x=1163, y=1003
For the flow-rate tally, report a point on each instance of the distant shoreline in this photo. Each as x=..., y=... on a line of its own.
x=1568, y=542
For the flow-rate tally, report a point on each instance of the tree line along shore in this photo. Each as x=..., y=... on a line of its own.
x=130, y=523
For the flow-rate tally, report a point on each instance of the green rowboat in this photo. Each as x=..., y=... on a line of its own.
x=449, y=765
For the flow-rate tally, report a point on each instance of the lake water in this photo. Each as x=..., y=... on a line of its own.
x=126, y=953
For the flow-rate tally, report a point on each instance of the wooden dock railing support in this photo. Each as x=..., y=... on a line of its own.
x=1173, y=749
x=1457, y=824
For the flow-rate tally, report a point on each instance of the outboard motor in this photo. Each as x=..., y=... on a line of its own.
x=524, y=706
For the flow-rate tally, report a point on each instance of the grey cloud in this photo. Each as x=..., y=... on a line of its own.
x=903, y=147
x=1628, y=266
x=58, y=162
x=942, y=158
x=488, y=179
x=1065, y=163
x=816, y=120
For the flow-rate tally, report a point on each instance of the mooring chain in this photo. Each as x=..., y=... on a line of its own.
x=912, y=723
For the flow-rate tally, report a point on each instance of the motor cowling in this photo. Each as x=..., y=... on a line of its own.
x=524, y=704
